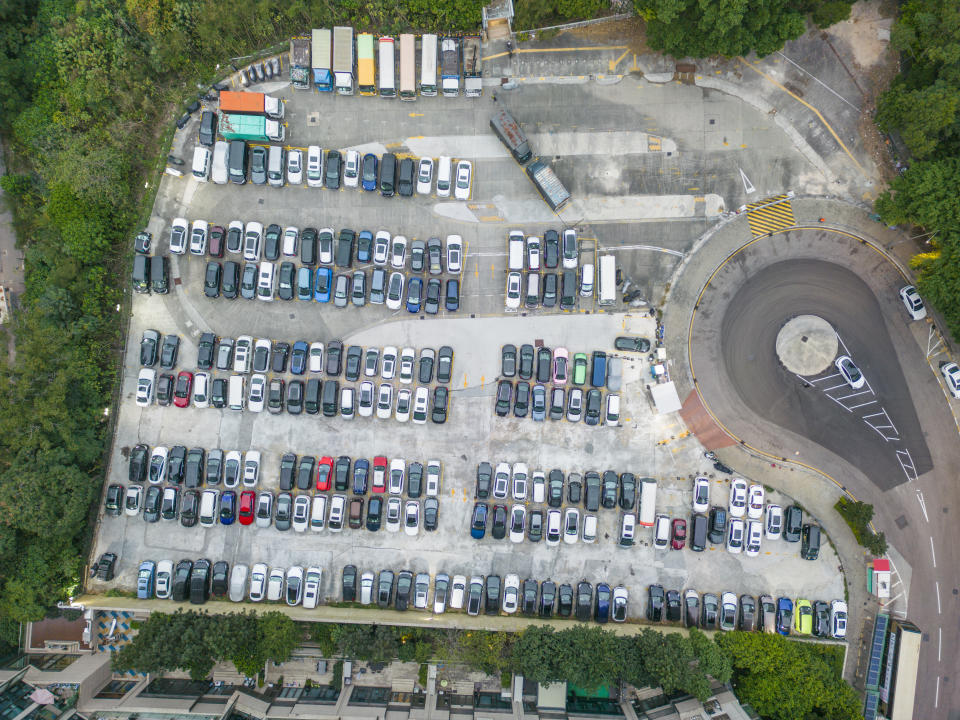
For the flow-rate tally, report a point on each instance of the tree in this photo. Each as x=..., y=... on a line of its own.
x=488, y=652
x=924, y=195
x=922, y=115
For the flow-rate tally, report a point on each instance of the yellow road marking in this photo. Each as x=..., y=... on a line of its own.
x=549, y=50
x=415, y=114
x=613, y=63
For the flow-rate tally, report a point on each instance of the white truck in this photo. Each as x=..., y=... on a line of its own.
x=343, y=60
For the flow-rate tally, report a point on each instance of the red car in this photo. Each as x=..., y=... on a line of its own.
x=324, y=471
x=679, y=534
x=379, y=474
x=248, y=503
x=181, y=394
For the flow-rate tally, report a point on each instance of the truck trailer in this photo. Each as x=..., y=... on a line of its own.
x=300, y=63
x=366, y=65
x=549, y=185
x=343, y=59
x=472, y=66
x=250, y=103
x=254, y=128
x=450, y=67
x=320, y=55
x=428, y=65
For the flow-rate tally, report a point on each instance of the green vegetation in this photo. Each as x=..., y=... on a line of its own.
x=858, y=516
x=923, y=107
x=194, y=641
x=533, y=14
x=700, y=28
x=785, y=679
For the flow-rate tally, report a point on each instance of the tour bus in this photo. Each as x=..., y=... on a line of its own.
x=428, y=65
x=408, y=67
x=388, y=83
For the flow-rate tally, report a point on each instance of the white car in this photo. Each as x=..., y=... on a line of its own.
x=251, y=468
x=501, y=481
x=571, y=525
x=252, y=242
x=398, y=469
x=164, y=580
x=241, y=354
x=385, y=401
x=365, y=401
x=588, y=533
x=408, y=357
x=454, y=254
x=178, y=236
x=518, y=521
x=913, y=302
x=441, y=591
x=235, y=229
x=394, y=510
x=258, y=582
x=701, y=495
x=569, y=249
x=264, y=512
x=133, y=500
x=295, y=167
x=951, y=376
x=533, y=253
x=262, y=350
x=338, y=506
x=351, y=169
x=404, y=400
x=850, y=372
x=325, y=246
x=238, y=582
x=434, y=471
x=613, y=406
x=258, y=392
x=388, y=363
x=232, y=464
x=146, y=381
x=661, y=532
x=514, y=281
x=458, y=588
x=738, y=497
x=198, y=237
x=420, y=403
x=301, y=513
x=461, y=190
x=275, y=583
x=411, y=518
x=774, y=522
x=519, y=481
x=554, y=529
x=755, y=502
x=728, y=611
x=425, y=176
x=621, y=597
x=395, y=291
x=265, y=282
x=381, y=247
x=539, y=482
x=838, y=619
x=158, y=465
x=316, y=357
x=290, y=237
x=294, y=585
x=314, y=166
x=754, y=538
x=421, y=591
x=366, y=588
x=511, y=593
x=735, y=535
x=398, y=251
x=201, y=390
x=311, y=587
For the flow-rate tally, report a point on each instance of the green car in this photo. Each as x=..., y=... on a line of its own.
x=579, y=369
x=803, y=617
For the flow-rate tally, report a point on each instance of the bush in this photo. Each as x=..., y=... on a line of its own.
x=858, y=516
x=830, y=13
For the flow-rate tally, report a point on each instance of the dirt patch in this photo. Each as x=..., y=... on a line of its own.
x=867, y=32
x=630, y=32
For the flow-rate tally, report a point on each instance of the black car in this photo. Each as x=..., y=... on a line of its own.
x=492, y=589
x=821, y=618
x=258, y=165
x=632, y=344
x=435, y=255
x=148, y=348
x=441, y=397
x=279, y=355
x=584, y=600
x=628, y=491
x=544, y=365
x=170, y=504
x=218, y=393
x=709, y=610
x=234, y=239
x=193, y=469
x=332, y=170
x=221, y=581
x=444, y=364
x=248, y=281
x=114, y=501
x=608, y=496
x=354, y=363
x=341, y=473
x=304, y=472
x=555, y=488
x=211, y=280
x=535, y=525
x=169, y=351
x=565, y=600
x=655, y=598
x=334, y=353
x=548, y=598
x=404, y=586
x=181, y=580
x=602, y=601
x=691, y=612
x=311, y=399
x=284, y=512
x=308, y=246
x=551, y=249
x=593, y=407
x=176, y=462
x=425, y=367
x=521, y=401
x=508, y=360
x=528, y=597
x=527, y=355
x=792, y=523
x=295, y=397
x=374, y=513
x=151, y=503
x=431, y=514
x=418, y=253
x=139, y=460
x=432, y=302
x=499, y=529
x=484, y=478
x=271, y=241
x=200, y=582
x=288, y=464
x=591, y=496
x=550, y=290
x=205, y=350
x=574, y=489
x=189, y=508
x=452, y=301
x=414, y=480
x=285, y=280
x=141, y=243
x=349, y=583
x=748, y=613
x=718, y=525
x=214, y=467
x=674, y=606
x=165, y=387
x=405, y=177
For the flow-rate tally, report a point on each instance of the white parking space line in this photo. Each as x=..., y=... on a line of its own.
x=923, y=505
x=906, y=464
x=933, y=552
x=939, y=610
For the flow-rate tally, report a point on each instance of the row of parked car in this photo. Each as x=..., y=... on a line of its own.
x=556, y=366
x=312, y=246
x=590, y=489
x=557, y=403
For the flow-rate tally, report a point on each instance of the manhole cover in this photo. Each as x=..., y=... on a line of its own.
x=901, y=522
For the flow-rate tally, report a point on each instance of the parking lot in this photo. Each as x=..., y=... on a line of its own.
x=502, y=200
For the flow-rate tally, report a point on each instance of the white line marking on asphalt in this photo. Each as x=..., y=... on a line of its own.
x=901, y=613
x=827, y=87
x=939, y=642
x=936, y=698
x=932, y=552
x=891, y=600
x=861, y=405
x=747, y=185
x=923, y=505
x=939, y=611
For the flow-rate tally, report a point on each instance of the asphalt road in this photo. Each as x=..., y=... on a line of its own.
x=821, y=411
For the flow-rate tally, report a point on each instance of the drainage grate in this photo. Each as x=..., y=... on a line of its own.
x=901, y=522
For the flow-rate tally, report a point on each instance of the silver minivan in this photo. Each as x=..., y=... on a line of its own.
x=276, y=166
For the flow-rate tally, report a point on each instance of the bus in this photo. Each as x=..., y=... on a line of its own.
x=428, y=65
x=366, y=84
x=388, y=83
x=408, y=67
x=608, y=280
x=898, y=685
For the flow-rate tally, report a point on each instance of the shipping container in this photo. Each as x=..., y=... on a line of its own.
x=250, y=103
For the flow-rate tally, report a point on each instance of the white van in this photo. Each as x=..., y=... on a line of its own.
x=586, y=280
x=628, y=528
x=533, y=290
x=238, y=582
x=515, y=242
x=265, y=282
x=444, y=171
x=201, y=164
x=208, y=508
x=613, y=409
x=318, y=513
x=219, y=170
x=661, y=533
x=236, y=392
x=276, y=166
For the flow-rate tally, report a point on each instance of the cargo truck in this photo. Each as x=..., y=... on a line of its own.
x=320, y=54
x=343, y=59
x=254, y=128
x=450, y=67
x=428, y=65
x=300, y=63
x=472, y=66
x=408, y=67
x=548, y=184
x=250, y=103
x=366, y=74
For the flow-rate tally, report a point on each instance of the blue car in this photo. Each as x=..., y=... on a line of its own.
x=304, y=284
x=364, y=246
x=321, y=289
x=478, y=526
x=601, y=603
x=145, y=579
x=361, y=471
x=784, y=615
x=298, y=358
x=228, y=507
x=414, y=295
x=368, y=172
